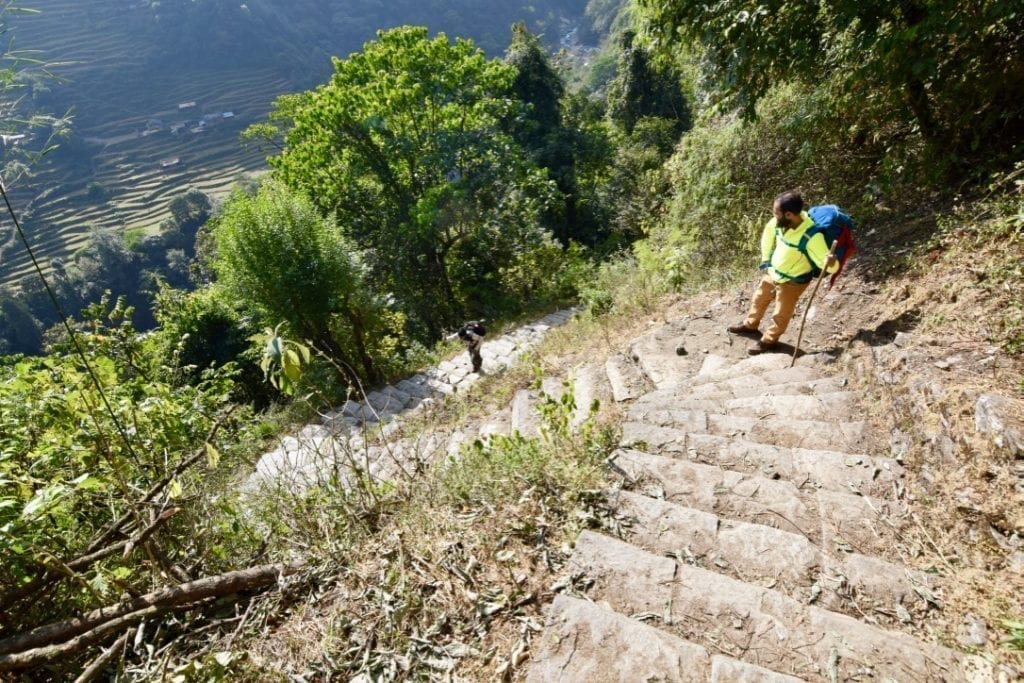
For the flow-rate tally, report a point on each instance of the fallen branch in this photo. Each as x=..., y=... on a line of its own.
x=35, y=646
x=96, y=667
x=96, y=550
x=41, y=655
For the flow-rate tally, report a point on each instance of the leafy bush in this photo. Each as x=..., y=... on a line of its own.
x=727, y=170
x=82, y=470
x=202, y=330
x=620, y=286
x=276, y=254
x=918, y=64
x=547, y=274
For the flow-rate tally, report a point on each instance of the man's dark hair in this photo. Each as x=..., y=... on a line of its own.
x=790, y=202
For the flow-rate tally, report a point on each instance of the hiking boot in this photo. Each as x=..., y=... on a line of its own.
x=761, y=347
x=740, y=329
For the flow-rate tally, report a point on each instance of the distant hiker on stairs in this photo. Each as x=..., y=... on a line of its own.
x=790, y=263
x=472, y=334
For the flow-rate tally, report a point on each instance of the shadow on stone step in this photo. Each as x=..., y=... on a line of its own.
x=885, y=332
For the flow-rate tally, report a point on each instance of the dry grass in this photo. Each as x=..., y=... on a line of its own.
x=452, y=571
x=956, y=307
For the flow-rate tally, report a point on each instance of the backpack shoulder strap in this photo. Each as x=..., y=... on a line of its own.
x=801, y=245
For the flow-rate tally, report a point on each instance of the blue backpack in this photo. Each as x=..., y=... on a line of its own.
x=837, y=228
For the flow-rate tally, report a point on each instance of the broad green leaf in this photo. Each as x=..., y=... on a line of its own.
x=43, y=501
x=122, y=573
x=291, y=366
x=90, y=483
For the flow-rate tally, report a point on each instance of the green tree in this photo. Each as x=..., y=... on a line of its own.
x=275, y=252
x=107, y=263
x=641, y=89
x=406, y=147
x=20, y=332
x=74, y=477
x=953, y=68
x=190, y=207
x=537, y=84
x=206, y=329
x=540, y=130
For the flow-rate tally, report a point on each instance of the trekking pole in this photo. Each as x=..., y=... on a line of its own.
x=803, y=319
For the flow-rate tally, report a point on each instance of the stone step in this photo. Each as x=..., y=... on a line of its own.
x=338, y=422
x=586, y=642
x=525, y=418
x=857, y=585
x=762, y=381
x=494, y=349
x=740, y=387
x=416, y=386
x=827, y=518
x=626, y=379
x=387, y=403
x=849, y=436
x=440, y=386
x=590, y=384
x=761, y=374
x=717, y=367
x=836, y=406
x=499, y=422
x=402, y=458
x=401, y=398
x=558, y=318
x=856, y=473
x=655, y=353
x=755, y=624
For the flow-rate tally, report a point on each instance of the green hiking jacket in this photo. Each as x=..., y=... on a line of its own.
x=781, y=254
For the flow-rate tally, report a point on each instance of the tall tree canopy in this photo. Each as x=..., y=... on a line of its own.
x=540, y=131
x=407, y=147
x=537, y=84
x=641, y=89
x=953, y=67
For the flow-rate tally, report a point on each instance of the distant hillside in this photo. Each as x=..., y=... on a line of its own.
x=160, y=91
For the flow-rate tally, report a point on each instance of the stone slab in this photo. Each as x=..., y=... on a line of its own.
x=627, y=382
x=808, y=469
x=584, y=642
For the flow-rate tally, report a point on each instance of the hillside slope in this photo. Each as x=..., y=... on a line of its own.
x=859, y=495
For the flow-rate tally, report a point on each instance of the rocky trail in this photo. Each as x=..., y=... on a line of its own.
x=759, y=519
x=366, y=434
x=758, y=533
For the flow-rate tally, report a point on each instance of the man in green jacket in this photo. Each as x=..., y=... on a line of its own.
x=788, y=269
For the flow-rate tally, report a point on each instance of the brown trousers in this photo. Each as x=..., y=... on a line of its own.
x=785, y=295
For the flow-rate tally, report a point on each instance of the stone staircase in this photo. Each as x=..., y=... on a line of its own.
x=364, y=434
x=757, y=534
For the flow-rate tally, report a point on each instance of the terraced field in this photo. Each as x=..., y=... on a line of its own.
x=131, y=137
x=127, y=66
